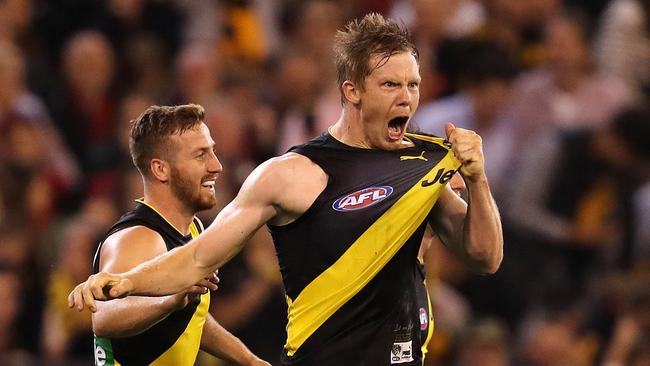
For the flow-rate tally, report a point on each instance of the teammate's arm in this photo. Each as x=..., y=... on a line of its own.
x=218, y=342
x=257, y=202
x=473, y=230
x=126, y=317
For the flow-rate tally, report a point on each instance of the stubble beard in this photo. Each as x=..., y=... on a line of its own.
x=189, y=193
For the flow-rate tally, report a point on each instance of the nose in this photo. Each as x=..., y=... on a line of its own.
x=405, y=97
x=214, y=165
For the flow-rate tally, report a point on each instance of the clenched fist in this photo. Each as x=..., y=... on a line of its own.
x=467, y=145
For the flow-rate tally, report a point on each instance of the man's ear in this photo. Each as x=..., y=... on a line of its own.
x=160, y=169
x=351, y=92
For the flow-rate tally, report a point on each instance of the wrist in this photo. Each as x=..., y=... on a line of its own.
x=478, y=179
x=129, y=282
x=173, y=303
x=168, y=304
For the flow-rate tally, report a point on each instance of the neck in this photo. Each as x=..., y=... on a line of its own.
x=174, y=211
x=348, y=129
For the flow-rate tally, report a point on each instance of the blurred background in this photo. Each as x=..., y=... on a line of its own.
x=559, y=91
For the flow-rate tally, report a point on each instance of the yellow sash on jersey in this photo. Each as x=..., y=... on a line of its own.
x=366, y=256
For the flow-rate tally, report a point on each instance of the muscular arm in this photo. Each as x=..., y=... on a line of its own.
x=472, y=230
x=218, y=342
x=133, y=315
x=130, y=316
x=235, y=224
x=269, y=193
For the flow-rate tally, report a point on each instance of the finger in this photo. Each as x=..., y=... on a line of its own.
x=468, y=161
x=119, y=289
x=89, y=299
x=467, y=155
x=200, y=290
x=449, y=128
x=97, y=290
x=207, y=284
x=465, y=151
x=71, y=298
x=77, y=299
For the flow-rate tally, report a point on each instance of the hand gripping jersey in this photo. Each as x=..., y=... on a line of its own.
x=349, y=263
x=174, y=340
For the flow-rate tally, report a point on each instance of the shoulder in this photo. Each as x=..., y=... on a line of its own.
x=284, y=169
x=283, y=182
x=129, y=247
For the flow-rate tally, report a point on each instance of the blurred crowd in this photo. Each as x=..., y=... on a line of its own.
x=559, y=91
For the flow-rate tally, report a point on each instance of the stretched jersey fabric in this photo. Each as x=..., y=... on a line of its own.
x=349, y=264
x=174, y=340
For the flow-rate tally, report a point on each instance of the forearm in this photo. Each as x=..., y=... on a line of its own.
x=482, y=232
x=217, y=341
x=130, y=316
x=167, y=274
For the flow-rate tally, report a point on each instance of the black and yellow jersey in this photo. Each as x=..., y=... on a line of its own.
x=176, y=339
x=349, y=264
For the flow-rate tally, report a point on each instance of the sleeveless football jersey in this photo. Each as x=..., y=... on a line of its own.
x=349, y=264
x=174, y=340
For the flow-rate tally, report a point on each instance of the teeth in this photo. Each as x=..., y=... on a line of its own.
x=208, y=183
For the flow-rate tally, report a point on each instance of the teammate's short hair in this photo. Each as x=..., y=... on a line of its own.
x=150, y=132
x=362, y=39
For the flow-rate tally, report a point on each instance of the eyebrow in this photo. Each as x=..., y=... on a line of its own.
x=205, y=148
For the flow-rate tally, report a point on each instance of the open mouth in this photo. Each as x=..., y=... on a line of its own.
x=209, y=184
x=397, y=127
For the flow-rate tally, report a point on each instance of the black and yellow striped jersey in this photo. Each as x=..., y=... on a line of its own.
x=174, y=340
x=349, y=263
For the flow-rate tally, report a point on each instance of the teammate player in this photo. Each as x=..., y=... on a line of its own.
x=173, y=150
x=347, y=212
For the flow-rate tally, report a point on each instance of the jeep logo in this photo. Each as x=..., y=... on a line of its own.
x=442, y=176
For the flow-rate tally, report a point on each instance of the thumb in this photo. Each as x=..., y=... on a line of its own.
x=120, y=289
x=449, y=128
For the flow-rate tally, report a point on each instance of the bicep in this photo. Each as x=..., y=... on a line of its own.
x=126, y=249
x=236, y=223
x=447, y=218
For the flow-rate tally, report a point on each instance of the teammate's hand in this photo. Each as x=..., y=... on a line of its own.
x=211, y=282
x=181, y=299
x=202, y=287
x=100, y=286
x=467, y=145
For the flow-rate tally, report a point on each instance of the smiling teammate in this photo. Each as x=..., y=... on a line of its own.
x=348, y=264
x=173, y=150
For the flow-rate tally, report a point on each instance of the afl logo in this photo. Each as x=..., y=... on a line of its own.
x=362, y=198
